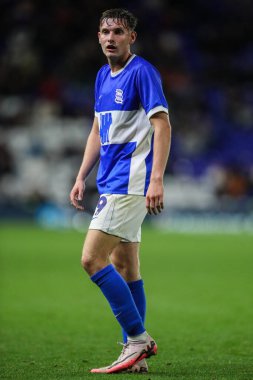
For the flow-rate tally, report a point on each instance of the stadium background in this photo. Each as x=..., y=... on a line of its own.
x=199, y=282
x=49, y=60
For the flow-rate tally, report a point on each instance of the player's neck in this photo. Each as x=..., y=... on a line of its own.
x=117, y=64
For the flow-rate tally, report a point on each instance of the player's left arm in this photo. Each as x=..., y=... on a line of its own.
x=162, y=140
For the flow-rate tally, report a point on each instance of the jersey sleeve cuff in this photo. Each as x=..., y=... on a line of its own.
x=156, y=110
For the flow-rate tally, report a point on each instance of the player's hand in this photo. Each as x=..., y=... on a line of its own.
x=76, y=194
x=154, y=197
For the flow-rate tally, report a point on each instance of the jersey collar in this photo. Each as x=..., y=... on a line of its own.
x=119, y=71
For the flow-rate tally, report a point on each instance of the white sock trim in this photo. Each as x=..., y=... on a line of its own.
x=139, y=337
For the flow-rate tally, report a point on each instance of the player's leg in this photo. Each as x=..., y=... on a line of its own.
x=95, y=260
x=118, y=215
x=96, y=250
x=125, y=258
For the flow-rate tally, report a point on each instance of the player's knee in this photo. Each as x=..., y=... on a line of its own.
x=129, y=273
x=87, y=263
x=92, y=263
x=120, y=267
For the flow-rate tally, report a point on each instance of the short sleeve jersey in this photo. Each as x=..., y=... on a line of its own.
x=124, y=102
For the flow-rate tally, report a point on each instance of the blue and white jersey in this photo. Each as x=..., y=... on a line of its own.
x=124, y=102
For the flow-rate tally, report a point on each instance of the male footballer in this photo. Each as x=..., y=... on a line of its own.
x=130, y=136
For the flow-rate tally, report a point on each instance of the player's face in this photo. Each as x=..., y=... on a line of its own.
x=115, y=39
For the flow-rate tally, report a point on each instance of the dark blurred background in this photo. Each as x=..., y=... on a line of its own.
x=49, y=60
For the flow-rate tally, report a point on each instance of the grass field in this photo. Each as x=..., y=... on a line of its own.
x=55, y=324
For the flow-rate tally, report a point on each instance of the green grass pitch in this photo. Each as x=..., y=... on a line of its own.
x=55, y=324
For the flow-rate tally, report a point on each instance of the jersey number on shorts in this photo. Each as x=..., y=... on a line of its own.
x=105, y=123
x=101, y=204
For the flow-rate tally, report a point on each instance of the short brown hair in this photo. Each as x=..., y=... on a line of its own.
x=127, y=19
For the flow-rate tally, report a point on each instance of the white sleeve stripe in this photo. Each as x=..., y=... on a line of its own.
x=156, y=110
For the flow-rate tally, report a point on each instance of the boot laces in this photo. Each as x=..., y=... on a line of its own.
x=124, y=349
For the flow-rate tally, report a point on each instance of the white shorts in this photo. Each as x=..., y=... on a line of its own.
x=120, y=215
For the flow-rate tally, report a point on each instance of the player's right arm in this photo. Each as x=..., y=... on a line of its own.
x=90, y=158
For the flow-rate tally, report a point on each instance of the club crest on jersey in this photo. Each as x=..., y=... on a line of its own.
x=118, y=96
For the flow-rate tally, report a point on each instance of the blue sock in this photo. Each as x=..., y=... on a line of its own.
x=137, y=290
x=118, y=294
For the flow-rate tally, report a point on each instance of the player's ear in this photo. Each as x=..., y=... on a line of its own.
x=99, y=34
x=133, y=37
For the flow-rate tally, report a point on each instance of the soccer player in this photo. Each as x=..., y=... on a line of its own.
x=131, y=136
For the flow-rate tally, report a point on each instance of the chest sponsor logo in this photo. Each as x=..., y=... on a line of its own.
x=105, y=123
x=118, y=96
